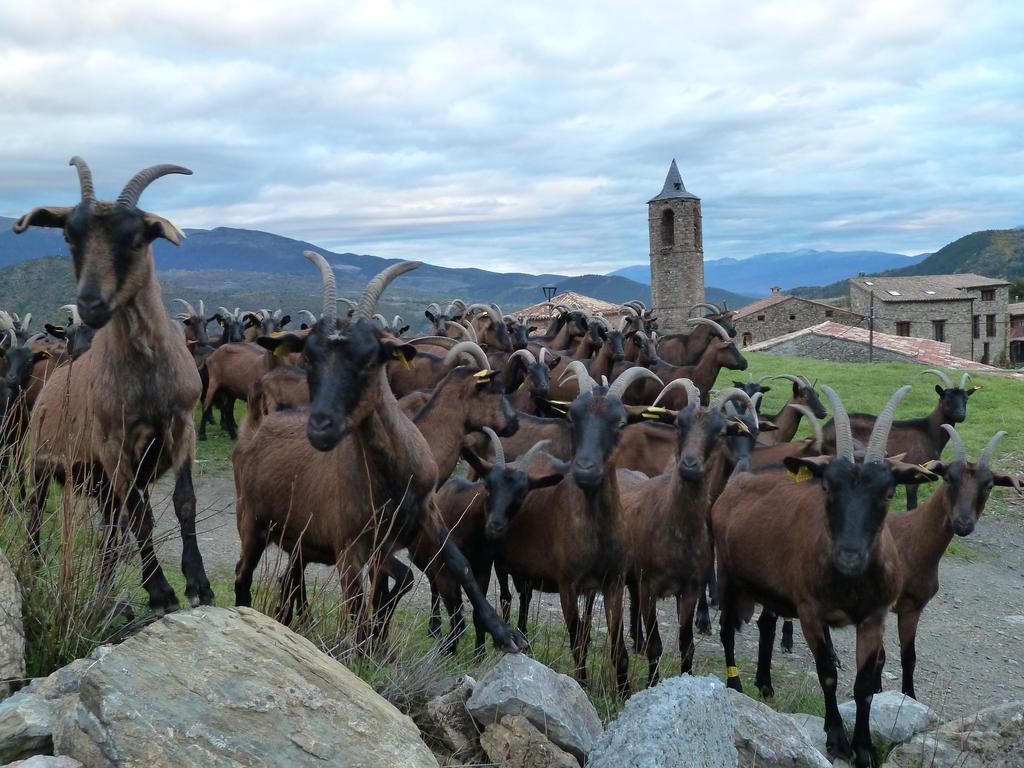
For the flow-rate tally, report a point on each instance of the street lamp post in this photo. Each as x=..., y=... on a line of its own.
x=549, y=292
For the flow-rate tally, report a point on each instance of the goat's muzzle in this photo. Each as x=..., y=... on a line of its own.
x=963, y=526
x=588, y=475
x=95, y=312
x=850, y=562
x=324, y=431
x=691, y=469
x=494, y=531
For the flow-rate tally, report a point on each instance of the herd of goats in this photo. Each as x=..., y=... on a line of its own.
x=599, y=458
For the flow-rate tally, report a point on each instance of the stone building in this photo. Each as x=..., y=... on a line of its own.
x=677, y=252
x=541, y=313
x=779, y=314
x=968, y=311
x=1016, y=334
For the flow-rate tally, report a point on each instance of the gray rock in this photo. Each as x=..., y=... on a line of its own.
x=218, y=688
x=514, y=742
x=448, y=721
x=766, y=738
x=12, y=631
x=683, y=722
x=46, y=761
x=991, y=738
x=813, y=728
x=554, y=703
x=895, y=718
x=26, y=727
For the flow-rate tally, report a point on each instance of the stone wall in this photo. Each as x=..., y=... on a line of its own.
x=677, y=268
x=837, y=349
x=998, y=307
x=791, y=314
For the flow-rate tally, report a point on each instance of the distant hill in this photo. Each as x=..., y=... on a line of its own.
x=233, y=267
x=756, y=275
x=991, y=252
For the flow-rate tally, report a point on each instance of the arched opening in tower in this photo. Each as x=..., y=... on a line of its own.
x=668, y=227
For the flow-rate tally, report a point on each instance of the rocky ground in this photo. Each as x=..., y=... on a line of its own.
x=970, y=642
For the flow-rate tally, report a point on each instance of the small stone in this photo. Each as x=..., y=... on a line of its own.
x=515, y=743
x=766, y=738
x=46, y=761
x=895, y=718
x=26, y=727
x=449, y=722
x=12, y=631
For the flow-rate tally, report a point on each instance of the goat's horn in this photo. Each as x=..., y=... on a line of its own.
x=471, y=349
x=129, y=196
x=526, y=354
x=632, y=309
x=33, y=339
x=476, y=306
x=499, y=451
x=26, y=320
x=986, y=455
x=84, y=179
x=705, y=305
x=576, y=369
x=383, y=321
x=756, y=400
x=789, y=377
x=963, y=379
x=330, y=290
x=692, y=393
x=311, y=318
x=524, y=461
x=435, y=341
x=72, y=309
x=372, y=293
x=731, y=393
x=808, y=414
x=188, y=307
x=463, y=332
x=841, y=419
x=347, y=302
x=958, y=444
x=459, y=303
x=12, y=339
x=225, y=312
x=628, y=376
x=945, y=379
x=643, y=307
x=543, y=351
x=601, y=321
x=433, y=306
x=711, y=324
x=496, y=311
x=880, y=434
x=471, y=331
x=623, y=322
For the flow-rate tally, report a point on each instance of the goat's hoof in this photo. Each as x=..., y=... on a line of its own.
x=862, y=757
x=202, y=596
x=836, y=743
x=734, y=683
x=766, y=689
x=201, y=437
x=786, y=645
x=511, y=641
x=434, y=630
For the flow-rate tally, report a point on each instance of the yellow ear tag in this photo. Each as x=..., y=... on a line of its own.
x=558, y=410
x=522, y=386
x=400, y=355
x=483, y=374
x=483, y=314
x=46, y=355
x=656, y=409
x=646, y=415
x=559, y=402
x=801, y=474
x=59, y=328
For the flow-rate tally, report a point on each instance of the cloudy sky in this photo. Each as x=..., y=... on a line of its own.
x=528, y=136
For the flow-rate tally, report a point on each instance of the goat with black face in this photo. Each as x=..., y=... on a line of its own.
x=352, y=477
x=128, y=419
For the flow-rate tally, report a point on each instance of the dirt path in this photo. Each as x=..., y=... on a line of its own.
x=970, y=642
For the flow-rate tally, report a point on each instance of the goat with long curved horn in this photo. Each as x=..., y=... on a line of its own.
x=84, y=179
x=499, y=450
x=731, y=393
x=526, y=356
x=367, y=303
x=692, y=393
x=715, y=310
x=986, y=455
x=621, y=384
x=819, y=435
x=880, y=433
x=844, y=433
x=964, y=379
x=941, y=376
x=330, y=308
x=471, y=350
x=958, y=446
x=578, y=371
x=129, y=196
x=435, y=341
x=190, y=311
x=711, y=324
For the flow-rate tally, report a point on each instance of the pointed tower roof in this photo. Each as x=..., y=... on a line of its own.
x=673, y=188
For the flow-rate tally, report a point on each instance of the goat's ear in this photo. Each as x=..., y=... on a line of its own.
x=250, y=320
x=530, y=329
x=430, y=316
x=650, y=413
x=937, y=467
x=763, y=425
x=282, y=344
x=479, y=466
x=738, y=384
x=41, y=355
x=736, y=428
x=403, y=329
x=1008, y=481
x=158, y=226
x=939, y=390
x=546, y=480
x=765, y=390
x=47, y=216
x=396, y=349
x=806, y=467
x=57, y=331
x=285, y=320
x=972, y=390
x=905, y=473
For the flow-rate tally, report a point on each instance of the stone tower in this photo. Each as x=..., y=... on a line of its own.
x=677, y=252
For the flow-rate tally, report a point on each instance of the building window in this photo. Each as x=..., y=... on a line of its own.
x=829, y=313
x=792, y=317
x=990, y=325
x=939, y=330
x=976, y=326
x=985, y=354
x=748, y=338
x=668, y=227
x=903, y=328
x=760, y=318
x=988, y=294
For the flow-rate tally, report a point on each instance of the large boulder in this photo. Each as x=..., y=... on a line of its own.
x=514, y=742
x=26, y=727
x=767, y=739
x=46, y=761
x=232, y=687
x=991, y=738
x=895, y=718
x=12, y=630
x=554, y=703
x=683, y=722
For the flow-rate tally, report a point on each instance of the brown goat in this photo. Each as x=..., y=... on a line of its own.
x=121, y=415
x=820, y=551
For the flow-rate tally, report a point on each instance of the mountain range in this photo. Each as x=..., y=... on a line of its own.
x=756, y=275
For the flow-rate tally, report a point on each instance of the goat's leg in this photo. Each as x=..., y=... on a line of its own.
x=110, y=515
x=434, y=625
x=525, y=591
x=504, y=594
x=647, y=613
x=712, y=581
x=254, y=541
x=907, y=623
x=870, y=658
x=702, y=618
x=197, y=585
x=911, y=496
x=140, y=517
x=483, y=579
x=616, y=636
x=37, y=503
x=227, y=415
x=458, y=566
x=766, y=624
x=836, y=742
x=728, y=620
x=570, y=612
x=786, y=644
x=685, y=606
x=636, y=617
